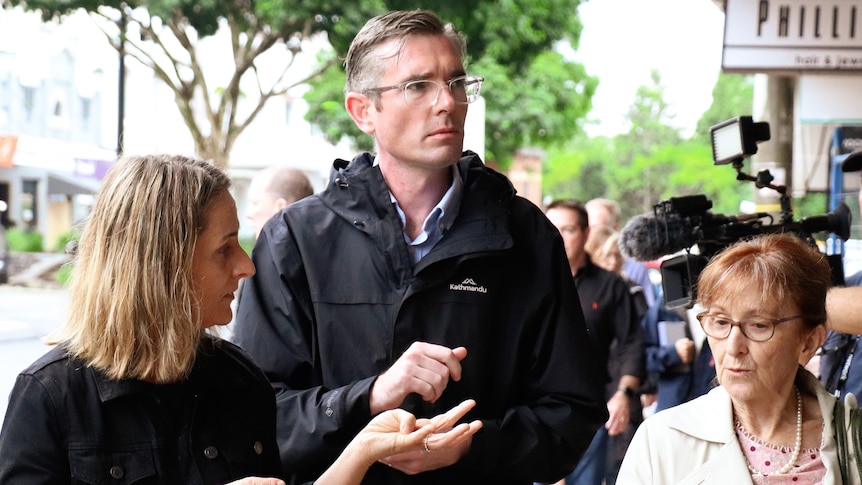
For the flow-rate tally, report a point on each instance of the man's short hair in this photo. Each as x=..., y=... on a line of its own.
x=572, y=205
x=286, y=183
x=363, y=61
x=611, y=206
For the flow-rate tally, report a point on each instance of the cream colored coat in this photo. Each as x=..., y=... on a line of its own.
x=695, y=443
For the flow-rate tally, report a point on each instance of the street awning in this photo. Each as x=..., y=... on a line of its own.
x=59, y=183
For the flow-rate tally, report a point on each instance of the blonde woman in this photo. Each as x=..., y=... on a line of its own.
x=603, y=247
x=136, y=390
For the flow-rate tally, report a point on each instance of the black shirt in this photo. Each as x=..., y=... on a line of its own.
x=612, y=317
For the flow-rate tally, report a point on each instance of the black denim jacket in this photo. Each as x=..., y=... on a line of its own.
x=68, y=423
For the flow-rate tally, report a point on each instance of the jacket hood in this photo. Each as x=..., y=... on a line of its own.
x=367, y=189
x=469, y=163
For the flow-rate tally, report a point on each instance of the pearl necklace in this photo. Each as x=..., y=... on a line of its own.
x=797, y=447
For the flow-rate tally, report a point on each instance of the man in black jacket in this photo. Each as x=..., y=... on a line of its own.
x=612, y=318
x=417, y=279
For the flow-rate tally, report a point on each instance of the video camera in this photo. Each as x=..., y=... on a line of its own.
x=684, y=223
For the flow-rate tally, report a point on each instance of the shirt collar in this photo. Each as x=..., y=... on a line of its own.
x=444, y=213
x=450, y=204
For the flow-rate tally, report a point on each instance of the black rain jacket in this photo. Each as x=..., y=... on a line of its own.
x=336, y=300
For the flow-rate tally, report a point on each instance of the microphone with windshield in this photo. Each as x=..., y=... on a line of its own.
x=676, y=224
x=681, y=223
x=645, y=238
x=686, y=223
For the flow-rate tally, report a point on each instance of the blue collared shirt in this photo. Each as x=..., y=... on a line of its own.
x=438, y=221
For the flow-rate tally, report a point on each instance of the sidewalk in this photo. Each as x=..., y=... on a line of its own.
x=27, y=313
x=33, y=304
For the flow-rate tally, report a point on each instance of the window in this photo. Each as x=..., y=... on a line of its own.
x=85, y=113
x=29, y=102
x=59, y=119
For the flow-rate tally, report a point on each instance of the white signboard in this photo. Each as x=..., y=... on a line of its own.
x=792, y=35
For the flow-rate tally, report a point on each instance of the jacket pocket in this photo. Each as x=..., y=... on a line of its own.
x=246, y=458
x=93, y=466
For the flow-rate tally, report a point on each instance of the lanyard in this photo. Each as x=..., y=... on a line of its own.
x=845, y=369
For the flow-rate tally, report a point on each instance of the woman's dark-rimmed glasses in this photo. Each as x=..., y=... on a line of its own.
x=758, y=329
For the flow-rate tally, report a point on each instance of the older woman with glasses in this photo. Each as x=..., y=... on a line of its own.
x=769, y=420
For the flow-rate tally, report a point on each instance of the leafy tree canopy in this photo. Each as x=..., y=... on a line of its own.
x=736, y=92
x=651, y=162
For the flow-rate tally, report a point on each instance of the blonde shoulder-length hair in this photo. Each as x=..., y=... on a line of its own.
x=131, y=292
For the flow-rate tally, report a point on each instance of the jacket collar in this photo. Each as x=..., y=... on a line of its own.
x=358, y=194
x=110, y=389
x=717, y=406
x=589, y=268
x=363, y=172
x=710, y=418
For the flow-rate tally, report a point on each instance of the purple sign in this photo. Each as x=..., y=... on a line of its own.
x=92, y=168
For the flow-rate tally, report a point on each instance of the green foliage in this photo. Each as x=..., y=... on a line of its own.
x=736, y=92
x=163, y=36
x=811, y=204
x=648, y=154
x=579, y=169
x=247, y=244
x=24, y=241
x=60, y=245
x=544, y=108
x=651, y=162
x=538, y=98
x=326, y=111
x=649, y=120
x=512, y=32
x=64, y=273
x=202, y=17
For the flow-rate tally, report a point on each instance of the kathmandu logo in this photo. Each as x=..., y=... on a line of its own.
x=468, y=285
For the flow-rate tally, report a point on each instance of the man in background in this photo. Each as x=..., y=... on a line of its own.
x=273, y=189
x=606, y=212
x=614, y=322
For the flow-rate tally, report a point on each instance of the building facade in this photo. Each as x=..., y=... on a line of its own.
x=51, y=133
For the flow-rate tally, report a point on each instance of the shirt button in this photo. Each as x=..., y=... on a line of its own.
x=258, y=447
x=211, y=452
x=116, y=472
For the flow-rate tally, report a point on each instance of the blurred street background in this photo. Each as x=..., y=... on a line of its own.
x=29, y=309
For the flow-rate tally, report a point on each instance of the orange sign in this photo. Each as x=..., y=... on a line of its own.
x=8, y=143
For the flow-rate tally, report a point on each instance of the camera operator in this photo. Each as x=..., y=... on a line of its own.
x=842, y=346
x=843, y=306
